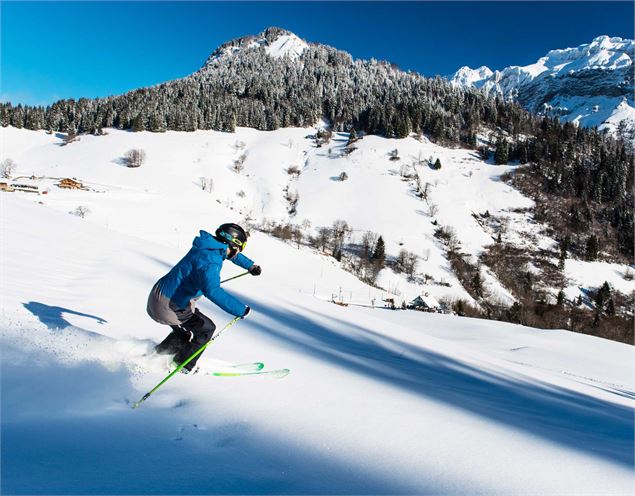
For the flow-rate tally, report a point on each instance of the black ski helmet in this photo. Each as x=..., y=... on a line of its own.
x=233, y=235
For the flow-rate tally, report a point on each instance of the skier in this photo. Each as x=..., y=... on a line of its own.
x=172, y=299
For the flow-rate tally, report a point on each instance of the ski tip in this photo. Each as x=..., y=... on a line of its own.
x=279, y=374
x=248, y=367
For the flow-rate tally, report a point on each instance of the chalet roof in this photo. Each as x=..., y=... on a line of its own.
x=425, y=300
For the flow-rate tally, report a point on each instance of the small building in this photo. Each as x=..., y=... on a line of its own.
x=5, y=186
x=28, y=188
x=340, y=303
x=68, y=183
x=424, y=303
x=390, y=303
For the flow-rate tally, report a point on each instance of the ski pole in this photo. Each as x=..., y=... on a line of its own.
x=192, y=357
x=235, y=277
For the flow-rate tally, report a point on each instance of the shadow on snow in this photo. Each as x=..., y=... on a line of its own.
x=71, y=426
x=572, y=419
x=53, y=317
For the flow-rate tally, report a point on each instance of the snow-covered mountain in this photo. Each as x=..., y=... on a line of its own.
x=272, y=80
x=591, y=85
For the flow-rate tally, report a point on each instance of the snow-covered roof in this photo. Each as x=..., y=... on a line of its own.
x=427, y=300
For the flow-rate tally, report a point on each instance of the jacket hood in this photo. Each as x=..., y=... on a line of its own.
x=205, y=241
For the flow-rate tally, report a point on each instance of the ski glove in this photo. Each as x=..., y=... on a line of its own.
x=247, y=310
x=255, y=270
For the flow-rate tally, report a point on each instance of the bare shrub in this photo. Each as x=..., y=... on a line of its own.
x=369, y=240
x=423, y=188
x=448, y=237
x=348, y=149
x=292, y=198
x=80, y=211
x=420, y=159
x=297, y=235
x=406, y=171
x=464, y=309
x=293, y=170
x=282, y=231
x=322, y=240
x=323, y=137
x=135, y=157
x=71, y=137
x=352, y=137
x=239, y=163
x=7, y=167
x=206, y=184
x=407, y=263
x=339, y=233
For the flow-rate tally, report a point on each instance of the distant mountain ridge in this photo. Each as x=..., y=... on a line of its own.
x=590, y=85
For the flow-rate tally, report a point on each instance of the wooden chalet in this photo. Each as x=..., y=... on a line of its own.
x=68, y=183
x=5, y=186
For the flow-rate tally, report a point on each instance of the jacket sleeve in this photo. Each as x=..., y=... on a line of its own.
x=242, y=261
x=210, y=286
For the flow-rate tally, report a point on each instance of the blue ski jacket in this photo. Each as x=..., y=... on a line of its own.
x=198, y=274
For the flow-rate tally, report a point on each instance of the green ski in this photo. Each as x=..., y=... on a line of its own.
x=274, y=374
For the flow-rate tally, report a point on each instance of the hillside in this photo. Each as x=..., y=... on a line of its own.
x=377, y=401
x=289, y=183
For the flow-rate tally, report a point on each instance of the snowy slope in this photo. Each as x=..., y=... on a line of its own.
x=287, y=45
x=591, y=85
x=377, y=401
x=375, y=196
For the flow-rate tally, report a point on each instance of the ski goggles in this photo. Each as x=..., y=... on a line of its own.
x=234, y=241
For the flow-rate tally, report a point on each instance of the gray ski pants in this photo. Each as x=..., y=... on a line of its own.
x=163, y=311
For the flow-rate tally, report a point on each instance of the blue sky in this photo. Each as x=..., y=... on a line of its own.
x=53, y=50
